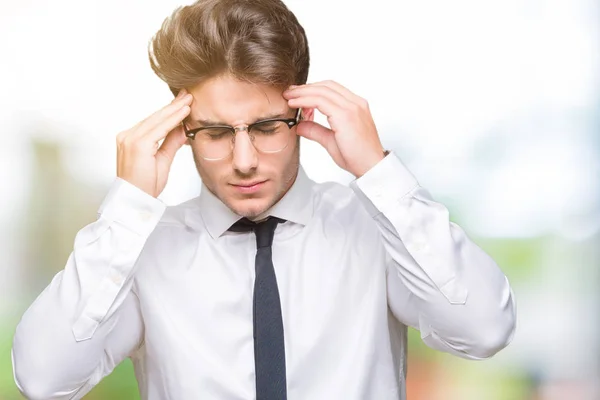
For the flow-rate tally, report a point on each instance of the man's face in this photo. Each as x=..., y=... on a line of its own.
x=229, y=101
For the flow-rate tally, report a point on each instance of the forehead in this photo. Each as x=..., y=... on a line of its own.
x=227, y=99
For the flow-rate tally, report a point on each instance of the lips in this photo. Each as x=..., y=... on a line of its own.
x=249, y=184
x=248, y=187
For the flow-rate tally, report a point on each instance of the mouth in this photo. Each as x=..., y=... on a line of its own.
x=248, y=187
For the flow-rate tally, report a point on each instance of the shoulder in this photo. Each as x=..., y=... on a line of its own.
x=177, y=216
x=342, y=220
x=333, y=200
x=173, y=231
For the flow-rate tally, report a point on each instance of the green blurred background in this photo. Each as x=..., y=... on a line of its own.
x=494, y=106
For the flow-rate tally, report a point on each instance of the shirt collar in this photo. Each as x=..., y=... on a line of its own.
x=295, y=206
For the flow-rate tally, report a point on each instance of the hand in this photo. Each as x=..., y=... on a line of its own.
x=352, y=141
x=141, y=161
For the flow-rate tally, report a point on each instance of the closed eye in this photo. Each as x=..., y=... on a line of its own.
x=268, y=127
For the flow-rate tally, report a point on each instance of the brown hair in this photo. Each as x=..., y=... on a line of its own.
x=258, y=41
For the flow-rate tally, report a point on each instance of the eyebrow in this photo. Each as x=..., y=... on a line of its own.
x=208, y=122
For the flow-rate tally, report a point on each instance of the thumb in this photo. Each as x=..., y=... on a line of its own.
x=316, y=132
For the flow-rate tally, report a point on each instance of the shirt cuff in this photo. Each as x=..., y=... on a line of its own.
x=384, y=185
x=132, y=207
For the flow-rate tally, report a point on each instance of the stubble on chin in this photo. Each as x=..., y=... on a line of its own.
x=245, y=208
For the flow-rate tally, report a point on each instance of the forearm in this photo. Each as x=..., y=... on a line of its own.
x=87, y=317
x=457, y=296
x=439, y=281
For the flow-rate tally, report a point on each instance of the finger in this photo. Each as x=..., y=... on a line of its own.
x=150, y=123
x=173, y=142
x=179, y=99
x=315, y=132
x=318, y=90
x=161, y=130
x=181, y=93
x=324, y=105
x=349, y=95
x=147, y=120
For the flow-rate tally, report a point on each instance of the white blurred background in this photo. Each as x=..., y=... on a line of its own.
x=494, y=106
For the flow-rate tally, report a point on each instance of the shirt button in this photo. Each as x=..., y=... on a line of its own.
x=417, y=246
x=145, y=216
x=115, y=278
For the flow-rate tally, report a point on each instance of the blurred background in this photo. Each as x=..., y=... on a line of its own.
x=494, y=105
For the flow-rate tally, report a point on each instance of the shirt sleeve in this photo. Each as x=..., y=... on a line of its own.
x=87, y=320
x=439, y=281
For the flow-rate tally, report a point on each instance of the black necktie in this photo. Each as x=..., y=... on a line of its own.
x=269, y=350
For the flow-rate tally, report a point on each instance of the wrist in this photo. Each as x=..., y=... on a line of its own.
x=374, y=160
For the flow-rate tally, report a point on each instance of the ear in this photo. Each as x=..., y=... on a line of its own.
x=308, y=114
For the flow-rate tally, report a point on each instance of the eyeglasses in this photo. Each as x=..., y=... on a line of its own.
x=216, y=142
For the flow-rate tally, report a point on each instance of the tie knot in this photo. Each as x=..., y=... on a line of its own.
x=264, y=230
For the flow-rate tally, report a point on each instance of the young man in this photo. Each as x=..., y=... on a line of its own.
x=307, y=296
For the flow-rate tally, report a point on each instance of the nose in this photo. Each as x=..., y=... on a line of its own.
x=245, y=156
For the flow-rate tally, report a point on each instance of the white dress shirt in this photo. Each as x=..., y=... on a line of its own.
x=171, y=288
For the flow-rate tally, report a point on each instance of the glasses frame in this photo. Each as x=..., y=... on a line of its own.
x=290, y=122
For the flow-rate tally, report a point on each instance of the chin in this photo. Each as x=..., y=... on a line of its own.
x=250, y=208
